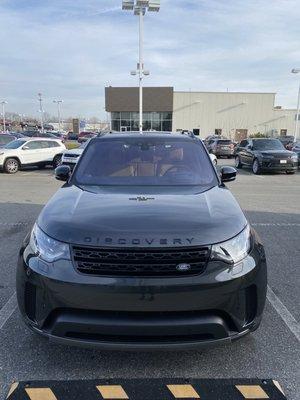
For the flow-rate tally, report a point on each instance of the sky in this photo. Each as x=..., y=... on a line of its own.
x=72, y=49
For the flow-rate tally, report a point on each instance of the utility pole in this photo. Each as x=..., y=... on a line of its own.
x=296, y=71
x=40, y=100
x=58, y=102
x=4, y=102
x=140, y=7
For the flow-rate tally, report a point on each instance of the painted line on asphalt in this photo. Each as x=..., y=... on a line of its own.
x=14, y=224
x=279, y=224
x=7, y=311
x=284, y=313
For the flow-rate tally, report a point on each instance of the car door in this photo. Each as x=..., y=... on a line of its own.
x=30, y=152
x=248, y=153
x=241, y=150
x=53, y=148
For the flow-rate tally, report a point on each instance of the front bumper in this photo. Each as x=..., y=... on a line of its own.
x=220, y=305
x=275, y=166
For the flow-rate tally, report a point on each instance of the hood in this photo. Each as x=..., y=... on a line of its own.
x=117, y=219
x=276, y=153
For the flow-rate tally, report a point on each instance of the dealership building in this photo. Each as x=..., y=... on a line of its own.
x=232, y=114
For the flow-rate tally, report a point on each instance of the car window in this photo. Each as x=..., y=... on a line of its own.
x=15, y=144
x=4, y=139
x=52, y=143
x=224, y=142
x=35, y=144
x=267, y=144
x=244, y=143
x=145, y=161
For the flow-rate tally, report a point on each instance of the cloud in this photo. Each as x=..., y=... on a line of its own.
x=73, y=49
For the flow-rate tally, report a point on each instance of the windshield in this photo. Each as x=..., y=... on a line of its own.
x=224, y=142
x=15, y=144
x=145, y=161
x=267, y=144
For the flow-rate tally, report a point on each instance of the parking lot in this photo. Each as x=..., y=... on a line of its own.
x=271, y=203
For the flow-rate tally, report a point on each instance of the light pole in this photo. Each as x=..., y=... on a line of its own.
x=40, y=100
x=296, y=71
x=3, y=115
x=58, y=102
x=140, y=7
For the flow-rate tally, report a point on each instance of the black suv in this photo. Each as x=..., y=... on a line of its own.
x=265, y=155
x=143, y=247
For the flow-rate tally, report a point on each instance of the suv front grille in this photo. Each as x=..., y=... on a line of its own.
x=140, y=262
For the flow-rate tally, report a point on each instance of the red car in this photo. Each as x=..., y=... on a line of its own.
x=84, y=136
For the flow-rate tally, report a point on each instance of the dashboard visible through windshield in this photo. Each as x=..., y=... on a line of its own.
x=145, y=161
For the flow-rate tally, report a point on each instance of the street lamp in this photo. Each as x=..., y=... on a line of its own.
x=40, y=100
x=296, y=71
x=3, y=114
x=139, y=7
x=58, y=102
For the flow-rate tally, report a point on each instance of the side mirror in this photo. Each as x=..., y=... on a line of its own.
x=25, y=148
x=228, y=174
x=62, y=173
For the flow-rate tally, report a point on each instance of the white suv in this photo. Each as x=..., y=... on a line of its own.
x=38, y=152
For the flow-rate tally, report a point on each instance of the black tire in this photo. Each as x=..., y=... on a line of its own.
x=290, y=172
x=56, y=161
x=238, y=163
x=11, y=166
x=256, y=169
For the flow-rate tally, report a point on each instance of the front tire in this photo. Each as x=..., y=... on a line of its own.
x=56, y=161
x=290, y=172
x=238, y=163
x=11, y=166
x=256, y=169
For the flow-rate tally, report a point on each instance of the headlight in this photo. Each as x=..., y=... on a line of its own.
x=294, y=158
x=46, y=248
x=234, y=250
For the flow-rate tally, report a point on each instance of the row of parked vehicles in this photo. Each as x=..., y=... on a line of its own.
x=260, y=154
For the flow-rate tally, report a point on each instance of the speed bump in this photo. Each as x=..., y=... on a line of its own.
x=148, y=389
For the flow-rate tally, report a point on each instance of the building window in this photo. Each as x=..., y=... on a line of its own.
x=283, y=132
x=218, y=132
x=156, y=121
x=196, y=132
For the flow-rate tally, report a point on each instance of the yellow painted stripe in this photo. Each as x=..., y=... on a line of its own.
x=111, y=392
x=252, y=392
x=183, y=391
x=13, y=387
x=40, y=394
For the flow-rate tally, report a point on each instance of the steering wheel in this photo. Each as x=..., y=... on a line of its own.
x=178, y=168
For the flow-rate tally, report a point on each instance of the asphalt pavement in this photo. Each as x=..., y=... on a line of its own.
x=271, y=203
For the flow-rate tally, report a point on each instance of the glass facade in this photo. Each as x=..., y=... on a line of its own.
x=129, y=121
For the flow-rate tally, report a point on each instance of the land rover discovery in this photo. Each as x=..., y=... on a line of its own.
x=144, y=247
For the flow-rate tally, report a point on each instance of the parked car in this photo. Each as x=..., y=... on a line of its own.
x=211, y=137
x=84, y=136
x=265, y=155
x=70, y=157
x=296, y=149
x=5, y=138
x=221, y=147
x=17, y=135
x=25, y=152
x=72, y=136
x=213, y=159
x=144, y=247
